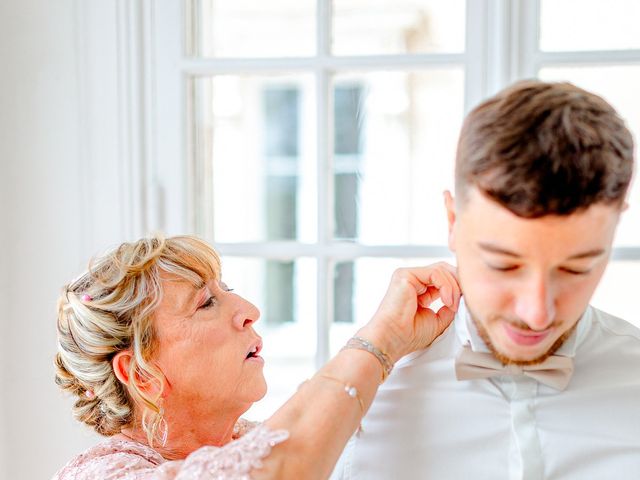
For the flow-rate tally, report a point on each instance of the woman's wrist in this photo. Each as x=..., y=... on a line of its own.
x=384, y=339
x=359, y=343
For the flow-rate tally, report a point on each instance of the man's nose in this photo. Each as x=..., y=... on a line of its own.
x=535, y=303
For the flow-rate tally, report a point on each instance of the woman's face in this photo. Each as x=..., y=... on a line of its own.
x=205, y=348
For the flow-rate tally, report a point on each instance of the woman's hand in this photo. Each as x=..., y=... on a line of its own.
x=404, y=322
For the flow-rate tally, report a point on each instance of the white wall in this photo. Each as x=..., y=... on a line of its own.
x=4, y=274
x=4, y=277
x=45, y=232
x=39, y=122
x=73, y=180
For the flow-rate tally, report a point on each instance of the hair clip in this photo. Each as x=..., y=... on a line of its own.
x=90, y=394
x=86, y=297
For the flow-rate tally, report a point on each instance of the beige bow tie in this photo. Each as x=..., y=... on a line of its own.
x=555, y=371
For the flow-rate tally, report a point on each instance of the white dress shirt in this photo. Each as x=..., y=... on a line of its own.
x=426, y=424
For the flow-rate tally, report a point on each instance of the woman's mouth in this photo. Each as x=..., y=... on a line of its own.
x=254, y=352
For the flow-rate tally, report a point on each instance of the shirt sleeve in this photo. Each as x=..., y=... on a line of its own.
x=232, y=461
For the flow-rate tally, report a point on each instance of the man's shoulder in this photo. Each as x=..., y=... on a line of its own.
x=611, y=345
x=613, y=326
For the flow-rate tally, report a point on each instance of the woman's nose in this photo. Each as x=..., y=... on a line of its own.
x=246, y=314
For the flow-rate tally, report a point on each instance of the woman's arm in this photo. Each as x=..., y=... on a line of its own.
x=322, y=416
x=305, y=437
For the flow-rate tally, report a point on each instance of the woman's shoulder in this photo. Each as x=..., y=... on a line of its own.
x=108, y=457
x=120, y=459
x=237, y=458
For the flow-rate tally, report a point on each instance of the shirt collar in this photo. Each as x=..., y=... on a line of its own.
x=467, y=333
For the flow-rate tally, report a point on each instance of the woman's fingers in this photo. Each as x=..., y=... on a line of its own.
x=445, y=316
x=427, y=298
x=437, y=281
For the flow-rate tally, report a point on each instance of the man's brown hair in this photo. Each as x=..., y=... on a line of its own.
x=541, y=149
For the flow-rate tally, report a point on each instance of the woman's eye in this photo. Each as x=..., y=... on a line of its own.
x=210, y=302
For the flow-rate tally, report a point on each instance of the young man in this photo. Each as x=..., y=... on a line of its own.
x=529, y=382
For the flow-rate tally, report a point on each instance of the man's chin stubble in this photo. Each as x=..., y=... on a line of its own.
x=505, y=360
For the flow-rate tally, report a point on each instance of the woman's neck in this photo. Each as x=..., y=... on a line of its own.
x=184, y=436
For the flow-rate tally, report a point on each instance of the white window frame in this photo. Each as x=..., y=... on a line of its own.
x=501, y=47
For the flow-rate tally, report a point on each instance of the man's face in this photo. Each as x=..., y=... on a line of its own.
x=526, y=282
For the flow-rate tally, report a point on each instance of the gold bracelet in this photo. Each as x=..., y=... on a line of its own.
x=360, y=343
x=352, y=392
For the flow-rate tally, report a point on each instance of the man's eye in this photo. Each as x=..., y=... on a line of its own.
x=571, y=271
x=503, y=268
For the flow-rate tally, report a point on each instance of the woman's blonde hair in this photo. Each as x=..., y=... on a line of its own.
x=109, y=309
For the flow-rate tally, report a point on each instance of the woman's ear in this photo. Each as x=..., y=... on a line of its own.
x=121, y=363
x=150, y=385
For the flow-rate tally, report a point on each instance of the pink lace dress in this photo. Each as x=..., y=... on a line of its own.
x=129, y=460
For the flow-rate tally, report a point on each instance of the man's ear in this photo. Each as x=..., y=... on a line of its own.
x=450, y=206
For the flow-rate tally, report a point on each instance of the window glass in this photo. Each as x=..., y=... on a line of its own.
x=617, y=293
x=395, y=139
x=242, y=28
x=378, y=27
x=580, y=25
x=255, y=170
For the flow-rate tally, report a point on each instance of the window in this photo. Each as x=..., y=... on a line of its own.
x=316, y=138
x=602, y=54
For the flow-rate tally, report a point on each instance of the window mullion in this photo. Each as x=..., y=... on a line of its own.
x=625, y=253
x=211, y=66
x=499, y=45
x=600, y=57
x=525, y=21
x=476, y=74
x=324, y=145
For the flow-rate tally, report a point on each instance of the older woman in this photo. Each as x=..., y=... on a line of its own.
x=163, y=359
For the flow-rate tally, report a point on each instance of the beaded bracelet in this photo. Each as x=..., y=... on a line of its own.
x=360, y=343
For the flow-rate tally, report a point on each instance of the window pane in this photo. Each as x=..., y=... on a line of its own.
x=358, y=295
x=618, y=85
x=395, y=138
x=377, y=27
x=255, y=171
x=285, y=293
x=576, y=25
x=618, y=291
x=241, y=28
